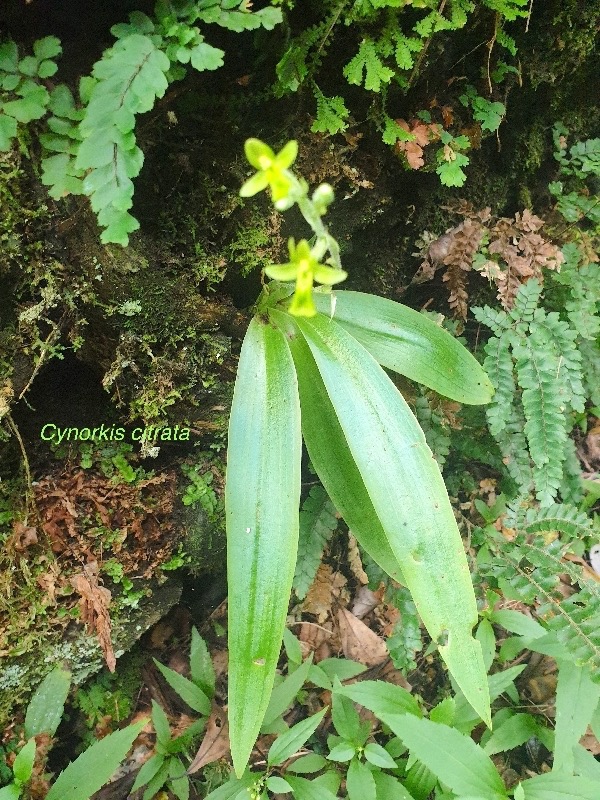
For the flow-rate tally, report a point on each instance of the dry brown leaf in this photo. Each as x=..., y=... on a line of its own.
x=360, y=643
x=94, y=604
x=364, y=602
x=325, y=588
x=23, y=536
x=355, y=561
x=312, y=637
x=215, y=744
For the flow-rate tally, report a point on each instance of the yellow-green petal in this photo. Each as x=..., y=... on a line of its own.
x=286, y=157
x=256, y=153
x=328, y=275
x=254, y=185
x=282, y=272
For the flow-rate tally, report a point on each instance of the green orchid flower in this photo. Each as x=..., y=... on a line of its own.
x=304, y=268
x=272, y=172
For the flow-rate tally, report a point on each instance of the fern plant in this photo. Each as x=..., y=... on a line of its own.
x=90, y=147
x=536, y=368
x=392, y=42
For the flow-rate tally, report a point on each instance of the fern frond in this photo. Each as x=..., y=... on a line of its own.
x=562, y=338
x=318, y=522
x=129, y=78
x=436, y=432
x=499, y=366
x=590, y=352
x=526, y=301
x=571, y=489
x=513, y=444
x=546, y=424
x=331, y=113
x=560, y=517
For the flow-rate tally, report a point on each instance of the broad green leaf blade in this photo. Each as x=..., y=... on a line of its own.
x=10, y=792
x=380, y=697
x=512, y=733
x=576, y=700
x=331, y=457
x=389, y=788
x=262, y=498
x=47, y=704
x=188, y=691
x=456, y=760
x=359, y=782
x=308, y=790
x=409, y=497
x=93, y=768
x=23, y=763
x=291, y=741
x=559, y=787
x=407, y=342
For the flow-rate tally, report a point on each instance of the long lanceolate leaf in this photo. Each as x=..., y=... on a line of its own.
x=330, y=456
x=407, y=342
x=408, y=495
x=262, y=498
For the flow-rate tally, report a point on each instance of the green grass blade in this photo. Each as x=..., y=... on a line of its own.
x=408, y=495
x=330, y=455
x=262, y=497
x=407, y=342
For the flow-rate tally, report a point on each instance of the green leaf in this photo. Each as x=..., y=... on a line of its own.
x=161, y=725
x=360, y=784
x=28, y=108
x=292, y=740
x=559, y=787
x=307, y=764
x=9, y=57
x=205, y=57
x=93, y=768
x=308, y=790
x=514, y=732
x=188, y=691
x=283, y=695
x=367, y=62
x=451, y=172
x=262, y=497
x=8, y=131
x=179, y=783
x=577, y=698
x=292, y=646
x=331, y=114
x=278, y=785
x=201, y=668
x=330, y=455
x=346, y=720
x=409, y=496
x=455, y=759
x=381, y=698
x=341, y=668
x=410, y=343
x=343, y=751
x=489, y=114
x=377, y=755
x=148, y=770
x=10, y=792
x=390, y=788
x=48, y=47
x=46, y=707
x=233, y=788
x=23, y=763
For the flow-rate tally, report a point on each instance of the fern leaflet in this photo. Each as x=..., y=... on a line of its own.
x=318, y=522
